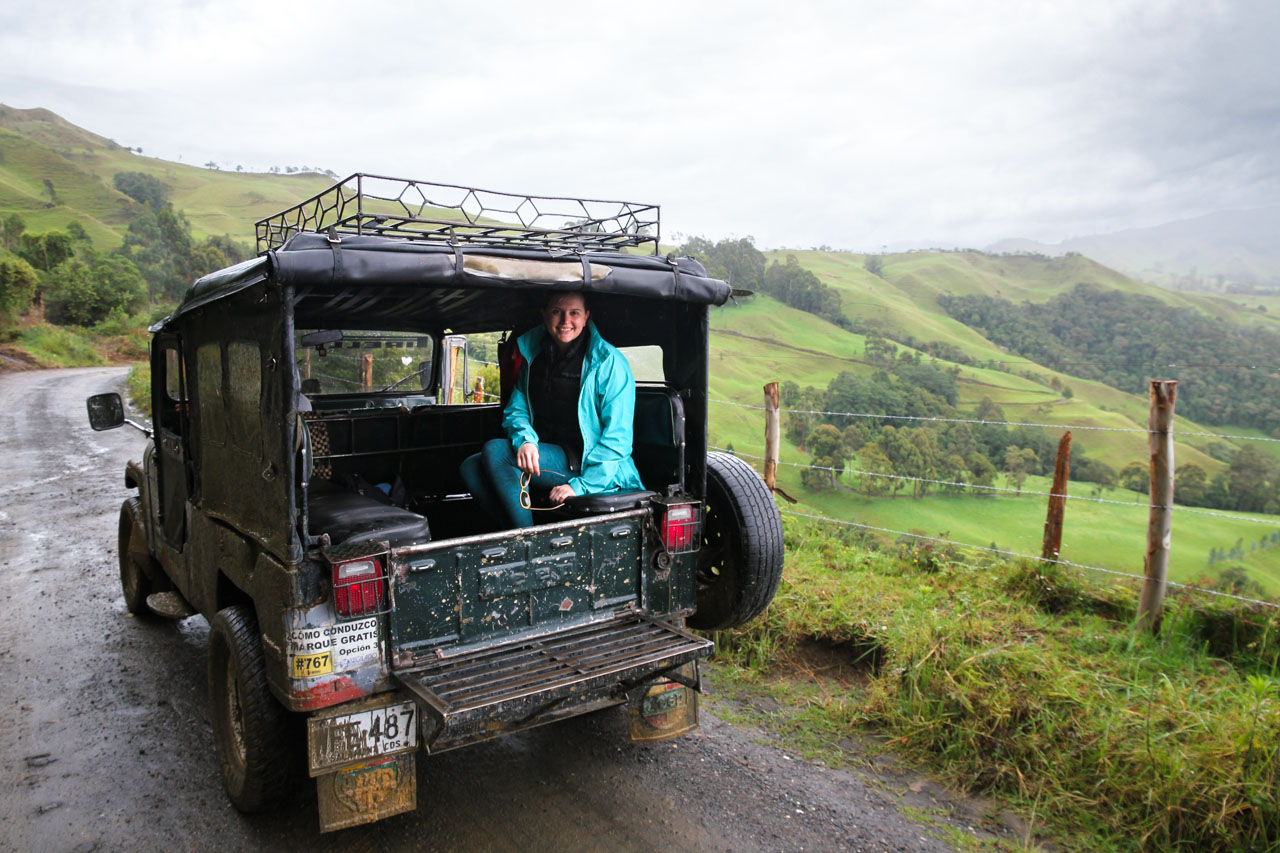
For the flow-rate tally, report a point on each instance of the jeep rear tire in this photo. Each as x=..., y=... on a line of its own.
x=250, y=728
x=136, y=569
x=740, y=561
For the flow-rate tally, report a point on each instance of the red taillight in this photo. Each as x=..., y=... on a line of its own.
x=680, y=529
x=357, y=587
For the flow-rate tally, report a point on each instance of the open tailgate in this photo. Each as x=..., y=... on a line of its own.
x=483, y=693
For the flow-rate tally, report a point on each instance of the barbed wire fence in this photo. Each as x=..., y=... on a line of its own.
x=912, y=535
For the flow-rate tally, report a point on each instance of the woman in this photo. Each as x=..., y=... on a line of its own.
x=568, y=422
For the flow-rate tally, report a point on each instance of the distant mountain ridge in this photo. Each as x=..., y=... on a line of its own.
x=1210, y=252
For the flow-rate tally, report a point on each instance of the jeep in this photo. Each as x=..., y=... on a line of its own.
x=300, y=490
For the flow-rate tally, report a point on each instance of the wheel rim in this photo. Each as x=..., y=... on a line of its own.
x=235, y=716
x=713, y=554
x=129, y=578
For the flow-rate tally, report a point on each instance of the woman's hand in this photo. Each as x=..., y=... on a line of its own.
x=560, y=494
x=527, y=459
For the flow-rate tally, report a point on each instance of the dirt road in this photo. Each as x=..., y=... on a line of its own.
x=105, y=741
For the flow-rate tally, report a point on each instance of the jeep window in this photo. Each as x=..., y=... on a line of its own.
x=646, y=363
x=212, y=408
x=363, y=362
x=244, y=386
x=173, y=375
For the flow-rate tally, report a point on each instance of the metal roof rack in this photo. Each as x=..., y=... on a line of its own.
x=420, y=211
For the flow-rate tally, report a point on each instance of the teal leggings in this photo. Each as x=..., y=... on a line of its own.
x=494, y=479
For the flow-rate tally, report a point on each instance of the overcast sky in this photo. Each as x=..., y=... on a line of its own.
x=854, y=124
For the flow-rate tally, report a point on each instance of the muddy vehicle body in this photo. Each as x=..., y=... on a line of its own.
x=311, y=408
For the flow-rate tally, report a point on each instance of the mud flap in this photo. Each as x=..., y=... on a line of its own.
x=367, y=792
x=665, y=708
x=362, y=757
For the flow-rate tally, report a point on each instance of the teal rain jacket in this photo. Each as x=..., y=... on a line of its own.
x=606, y=411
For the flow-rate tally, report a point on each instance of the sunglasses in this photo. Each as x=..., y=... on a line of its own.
x=525, y=501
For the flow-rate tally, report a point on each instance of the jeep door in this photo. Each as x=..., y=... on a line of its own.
x=169, y=408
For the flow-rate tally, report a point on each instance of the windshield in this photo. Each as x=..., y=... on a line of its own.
x=361, y=361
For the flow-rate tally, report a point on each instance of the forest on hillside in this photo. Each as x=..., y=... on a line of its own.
x=1227, y=374
x=62, y=274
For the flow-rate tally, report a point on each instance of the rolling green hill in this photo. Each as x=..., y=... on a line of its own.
x=38, y=146
x=758, y=339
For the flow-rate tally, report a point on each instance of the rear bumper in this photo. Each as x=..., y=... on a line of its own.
x=499, y=689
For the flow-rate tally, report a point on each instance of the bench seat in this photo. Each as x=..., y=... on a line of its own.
x=350, y=518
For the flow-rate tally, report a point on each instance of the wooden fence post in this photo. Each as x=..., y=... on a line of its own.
x=366, y=372
x=1164, y=394
x=772, y=435
x=1057, y=500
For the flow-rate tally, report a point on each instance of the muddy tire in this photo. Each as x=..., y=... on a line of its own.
x=137, y=569
x=740, y=561
x=250, y=728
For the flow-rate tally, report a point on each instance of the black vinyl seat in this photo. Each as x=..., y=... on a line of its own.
x=351, y=518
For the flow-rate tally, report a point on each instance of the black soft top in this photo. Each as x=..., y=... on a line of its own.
x=389, y=276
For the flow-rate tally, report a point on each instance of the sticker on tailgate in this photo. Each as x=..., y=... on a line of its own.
x=323, y=649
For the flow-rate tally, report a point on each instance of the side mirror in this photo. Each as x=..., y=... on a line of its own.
x=424, y=374
x=106, y=411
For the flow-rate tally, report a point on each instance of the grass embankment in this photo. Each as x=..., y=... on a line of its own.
x=117, y=340
x=1032, y=687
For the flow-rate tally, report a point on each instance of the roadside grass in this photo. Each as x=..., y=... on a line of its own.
x=60, y=346
x=1032, y=685
x=138, y=388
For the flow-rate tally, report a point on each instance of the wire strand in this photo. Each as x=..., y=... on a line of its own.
x=1003, y=552
x=1018, y=492
x=996, y=423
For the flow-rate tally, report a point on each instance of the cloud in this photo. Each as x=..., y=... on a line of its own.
x=846, y=124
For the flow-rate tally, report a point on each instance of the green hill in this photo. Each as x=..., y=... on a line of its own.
x=52, y=173
x=759, y=339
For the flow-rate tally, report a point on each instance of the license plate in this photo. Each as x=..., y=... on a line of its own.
x=343, y=739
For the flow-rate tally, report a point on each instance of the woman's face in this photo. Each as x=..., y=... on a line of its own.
x=565, y=317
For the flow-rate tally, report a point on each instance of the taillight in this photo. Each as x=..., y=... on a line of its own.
x=357, y=587
x=680, y=529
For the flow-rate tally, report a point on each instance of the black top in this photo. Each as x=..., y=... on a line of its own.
x=555, y=381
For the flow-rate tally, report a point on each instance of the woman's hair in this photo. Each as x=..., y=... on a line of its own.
x=586, y=300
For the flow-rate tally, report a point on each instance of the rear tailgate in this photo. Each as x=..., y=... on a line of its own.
x=482, y=588
x=495, y=632
x=487, y=692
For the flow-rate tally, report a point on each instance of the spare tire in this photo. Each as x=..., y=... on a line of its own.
x=740, y=561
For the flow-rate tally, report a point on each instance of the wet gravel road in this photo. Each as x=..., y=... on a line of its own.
x=105, y=741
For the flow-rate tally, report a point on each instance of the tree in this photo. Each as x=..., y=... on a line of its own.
x=45, y=251
x=143, y=188
x=874, y=264
x=84, y=293
x=879, y=349
x=983, y=471
x=1018, y=463
x=802, y=401
x=919, y=463
x=17, y=284
x=11, y=231
x=1190, y=484
x=825, y=446
x=873, y=460
x=852, y=439
x=895, y=446
x=953, y=470
x=1137, y=477
x=738, y=262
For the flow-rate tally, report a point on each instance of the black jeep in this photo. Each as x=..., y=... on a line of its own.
x=311, y=409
